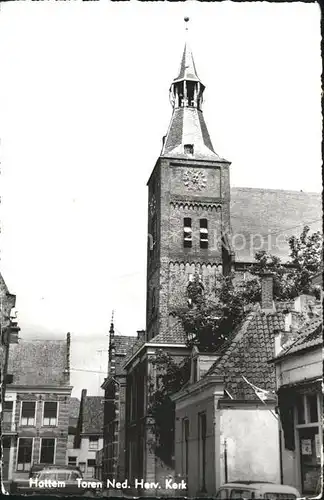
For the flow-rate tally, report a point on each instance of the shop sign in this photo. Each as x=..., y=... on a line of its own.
x=306, y=446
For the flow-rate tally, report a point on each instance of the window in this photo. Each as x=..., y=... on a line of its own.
x=28, y=413
x=47, y=451
x=82, y=466
x=189, y=149
x=133, y=398
x=91, y=466
x=202, y=450
x=72, y=461
x=185, y=447
x=309, y=432
x=300, y=409
x=25, y=451
x=222, y=493
x=306, y=405
x=153, y=300
x=7, y=412
x=279, y=496
x=203, y=233
x=50, y=413
x=187, y=233
x=311, y=405
x=93, y=443
x=242, y=494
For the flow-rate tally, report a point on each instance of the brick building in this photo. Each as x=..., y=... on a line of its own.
x=37, y=404
x=113, y=453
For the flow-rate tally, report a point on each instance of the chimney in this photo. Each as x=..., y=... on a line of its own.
x=293, y=321
x=141, y=334
x=303, y=303
x=68, y=352
x=267, y=304
x=278, y=344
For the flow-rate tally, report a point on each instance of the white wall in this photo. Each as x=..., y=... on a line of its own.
x=252, y=439
x=83, y=453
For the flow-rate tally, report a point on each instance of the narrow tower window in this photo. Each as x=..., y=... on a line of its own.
x=189, y=149
x=153, y=300
x=187, y=233
x=191, y=93
x=203, y=233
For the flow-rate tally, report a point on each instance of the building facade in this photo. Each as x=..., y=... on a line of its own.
x=36, y=410
x=114, y=437
x=88, y=439
x=299, y=370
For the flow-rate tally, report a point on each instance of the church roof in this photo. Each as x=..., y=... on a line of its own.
x=3, y=287
x=188, y=126
x=266, y=218
x=174, y=335
x=187, y=67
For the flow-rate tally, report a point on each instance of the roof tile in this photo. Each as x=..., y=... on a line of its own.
x=246, y=353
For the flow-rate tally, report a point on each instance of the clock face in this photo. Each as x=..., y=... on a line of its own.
x=194, y=179
x=152, y=205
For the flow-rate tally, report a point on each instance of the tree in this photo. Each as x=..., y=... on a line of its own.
x=208, y=318
x=170, y=377
x=306, y=254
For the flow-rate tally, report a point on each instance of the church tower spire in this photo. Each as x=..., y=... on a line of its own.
x=188, y=134
x=188, y=208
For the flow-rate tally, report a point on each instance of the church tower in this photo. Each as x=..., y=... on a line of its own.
x=188, y=206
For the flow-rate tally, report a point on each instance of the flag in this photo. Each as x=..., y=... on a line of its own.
x=262, y=394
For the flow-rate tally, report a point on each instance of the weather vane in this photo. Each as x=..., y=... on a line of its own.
x=186, y=19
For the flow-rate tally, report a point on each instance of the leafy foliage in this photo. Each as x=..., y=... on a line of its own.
x=208, y=318
x=170, y=377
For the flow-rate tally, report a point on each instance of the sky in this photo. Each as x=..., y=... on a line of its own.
x=83, y=108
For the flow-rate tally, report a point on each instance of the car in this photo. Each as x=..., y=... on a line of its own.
x=38, y=467
x=56, y=480
x=248, y=490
